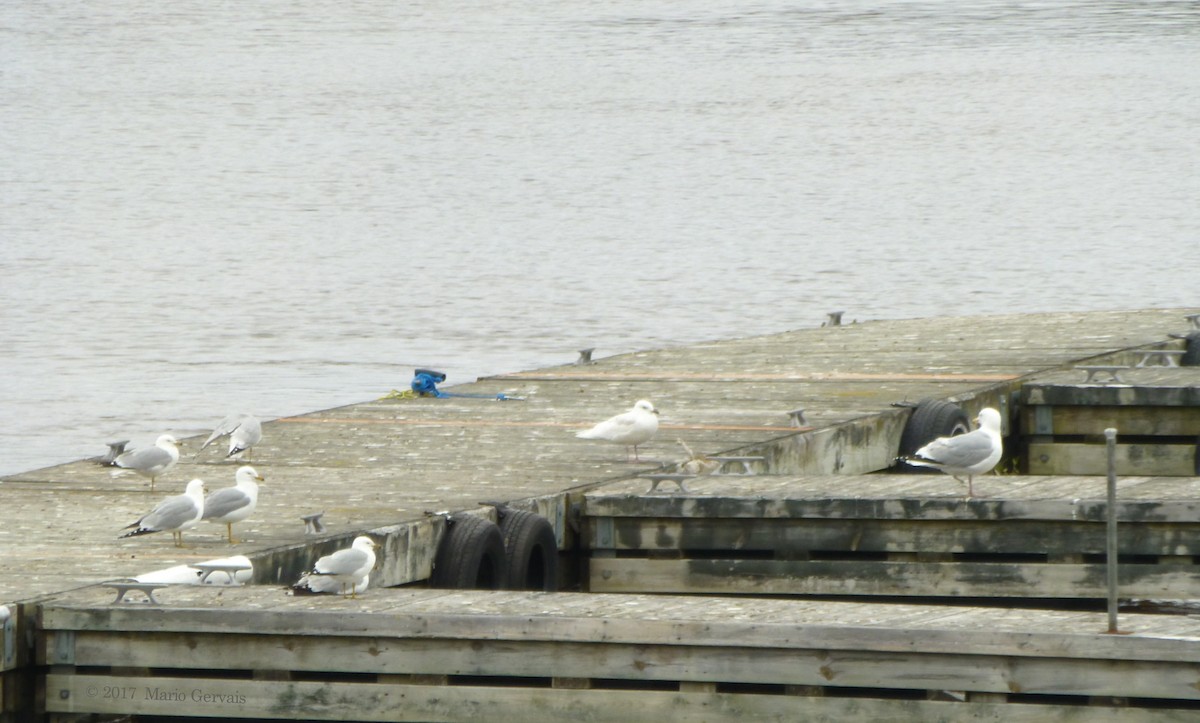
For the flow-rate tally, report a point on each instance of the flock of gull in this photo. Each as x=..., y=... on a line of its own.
x=348, y=570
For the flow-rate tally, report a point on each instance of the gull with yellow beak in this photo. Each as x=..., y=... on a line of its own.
x=967, y=454
x=234, y=504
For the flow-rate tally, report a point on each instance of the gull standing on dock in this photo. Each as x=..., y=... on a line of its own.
x=151, y=462
x=244, y=432
x=233, y=504
x=969, y=454
x=174, y=514
x=637, y=426
x=349, y=568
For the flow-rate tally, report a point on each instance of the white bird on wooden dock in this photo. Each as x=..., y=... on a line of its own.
x=244, y=432
x=174, y=514
x=637, y=426
x=151, y=462
x=349, y=568
x=975, y=452
x=233, y=504
x=317, y=584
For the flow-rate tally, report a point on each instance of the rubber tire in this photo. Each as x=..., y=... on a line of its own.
x=470, y=556
x=931, y=419
x=1191, y=355
x=532, y=551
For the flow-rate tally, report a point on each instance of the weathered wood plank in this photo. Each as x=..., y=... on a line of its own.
x=648, y=661
x=636, y=619
x=1145, y=387
x=905, y=497
x=949, y=579
x=1128, y=421
x=783, y=536
x=1131, y=459
x=393, y=702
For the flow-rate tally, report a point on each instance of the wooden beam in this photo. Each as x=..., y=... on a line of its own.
x=924, y=579
x=390, y=702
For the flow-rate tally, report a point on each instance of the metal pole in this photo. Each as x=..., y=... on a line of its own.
x=1110, y=436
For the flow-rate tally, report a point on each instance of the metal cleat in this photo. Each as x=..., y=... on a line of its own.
x=312, y=523
x=1166, y=357
x=744, y=460
x=229, y=568
x=679, y=479
x=1113, y=372
x=124, y=586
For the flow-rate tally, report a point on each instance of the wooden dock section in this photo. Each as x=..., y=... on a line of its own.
x=890, y=535
x=1156, y=409
x=829, y=404
x=383, y=465
x=422, y=655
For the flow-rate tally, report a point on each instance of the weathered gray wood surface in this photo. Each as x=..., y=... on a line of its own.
x=894, y=535
x=1073, y=458
x=424, y=703
x=1128, y=421
x=384, y=463
x=905, y=497
x=682, y=653
x=618, y=618
x=1145, y=387
x=1026, y=581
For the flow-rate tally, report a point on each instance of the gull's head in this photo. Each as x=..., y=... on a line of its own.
x=247, y=473
x=166, y=439
x=645, y=406
x=988, y=418
x=196, y=485
x=363, y=542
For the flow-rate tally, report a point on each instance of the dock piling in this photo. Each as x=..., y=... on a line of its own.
x=1110, y=439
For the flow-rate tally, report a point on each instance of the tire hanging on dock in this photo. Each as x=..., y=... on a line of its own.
x=470, y=556
x=531, y=548
x=932, y=418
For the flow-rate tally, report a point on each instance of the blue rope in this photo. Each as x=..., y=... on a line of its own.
x=424, y=384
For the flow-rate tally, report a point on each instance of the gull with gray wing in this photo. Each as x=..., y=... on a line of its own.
x=244, y=431
x=349, y=568
x=234, y=504
x=967, y=454
x=151, y=462
x=174, y=514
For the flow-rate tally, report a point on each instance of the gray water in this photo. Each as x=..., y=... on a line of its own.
x=280, y=207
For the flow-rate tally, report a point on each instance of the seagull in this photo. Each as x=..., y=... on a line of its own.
x=349, y=568
x=244, y=432
x=174, y=514
x=233, y=504
x=317, y=584
x=153, y=461
x=637, y=426
x=967, y=454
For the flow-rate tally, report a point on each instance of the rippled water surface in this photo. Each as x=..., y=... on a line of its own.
x=216, y=206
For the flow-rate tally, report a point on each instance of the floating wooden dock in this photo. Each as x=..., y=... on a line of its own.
x=813, y=412
x=894, y=535
x=383, y=463
x=417, y=655
x=1156, y=410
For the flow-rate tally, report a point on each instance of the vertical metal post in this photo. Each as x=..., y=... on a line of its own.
x=1110, y=437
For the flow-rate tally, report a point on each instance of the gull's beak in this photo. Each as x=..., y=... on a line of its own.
x=259, y=477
